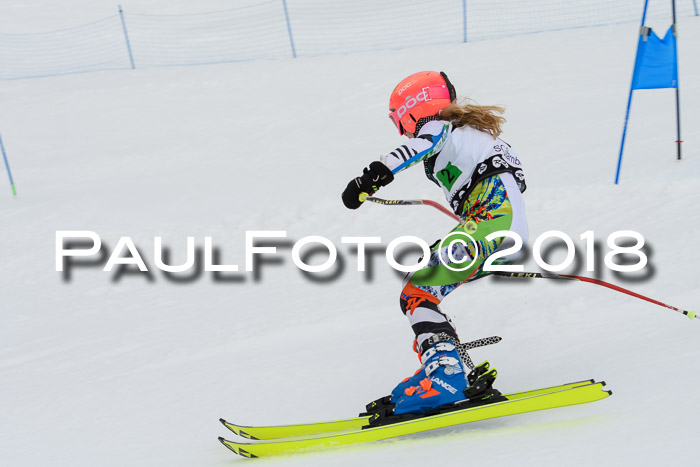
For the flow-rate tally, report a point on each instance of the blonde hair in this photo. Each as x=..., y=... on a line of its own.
x=469, y=113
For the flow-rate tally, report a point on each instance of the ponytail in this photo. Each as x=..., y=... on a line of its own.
x=481, y=117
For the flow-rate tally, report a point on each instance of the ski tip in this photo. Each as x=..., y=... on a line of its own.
x=236, y=449
x=234, y=428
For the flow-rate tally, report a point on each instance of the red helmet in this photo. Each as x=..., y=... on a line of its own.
x=421, y=95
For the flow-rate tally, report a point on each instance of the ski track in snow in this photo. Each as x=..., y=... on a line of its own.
x=106, y=370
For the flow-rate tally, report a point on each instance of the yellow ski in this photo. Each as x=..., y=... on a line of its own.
x=562, y=396
x=331, y=426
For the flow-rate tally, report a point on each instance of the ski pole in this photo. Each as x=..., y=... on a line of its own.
x=549, y=275
x=525, y=275
x=409, y=202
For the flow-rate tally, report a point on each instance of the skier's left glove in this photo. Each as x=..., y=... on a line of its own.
x=374, y=177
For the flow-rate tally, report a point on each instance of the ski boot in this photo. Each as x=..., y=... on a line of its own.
x=477, y=378
x=441, y=385
x=419, y=375
x=386, y=404
x=441, y=380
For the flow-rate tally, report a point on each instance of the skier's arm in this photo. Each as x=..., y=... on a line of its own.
x=429, y=142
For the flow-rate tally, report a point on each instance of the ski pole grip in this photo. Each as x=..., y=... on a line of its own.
x=364, y=196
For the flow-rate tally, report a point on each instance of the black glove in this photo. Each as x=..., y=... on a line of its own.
x=374, y=177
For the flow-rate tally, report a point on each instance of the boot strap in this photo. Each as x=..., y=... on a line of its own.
x=442, y=361
x=442, y=337
x=443, y=346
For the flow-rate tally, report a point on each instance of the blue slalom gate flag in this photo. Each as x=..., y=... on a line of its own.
x=656, y=65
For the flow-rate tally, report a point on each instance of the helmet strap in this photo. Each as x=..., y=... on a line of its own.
x=453, y=93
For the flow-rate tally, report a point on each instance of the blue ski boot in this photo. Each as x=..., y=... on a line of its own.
x=456, y=361
x=388, y=402
x=441, y=380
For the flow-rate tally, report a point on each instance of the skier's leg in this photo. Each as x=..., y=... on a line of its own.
x=488, y=210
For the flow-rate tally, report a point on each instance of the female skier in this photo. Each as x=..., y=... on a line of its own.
x=482, y=179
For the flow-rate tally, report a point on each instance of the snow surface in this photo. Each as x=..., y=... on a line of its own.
x=134, y=369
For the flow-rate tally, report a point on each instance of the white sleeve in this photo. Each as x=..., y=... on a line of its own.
x=405, y=152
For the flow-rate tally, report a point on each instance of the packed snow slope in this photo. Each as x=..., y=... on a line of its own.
x=114, y=369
